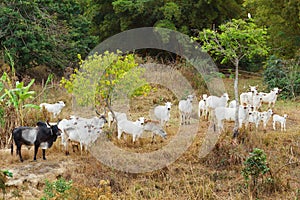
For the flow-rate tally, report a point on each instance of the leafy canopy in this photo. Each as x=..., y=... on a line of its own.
x=103, y=78
x=234, y=40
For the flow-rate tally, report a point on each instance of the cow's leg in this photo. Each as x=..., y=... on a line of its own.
x=67, y=147
x=19, y=152
x=44, y=154
x=181, y=118
x=36, y=148
x=119, y=133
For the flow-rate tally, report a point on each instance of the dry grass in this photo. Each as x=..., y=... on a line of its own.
x=216, y=176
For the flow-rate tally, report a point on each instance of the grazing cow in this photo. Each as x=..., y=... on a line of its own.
x=40, y=136
x=155, y=128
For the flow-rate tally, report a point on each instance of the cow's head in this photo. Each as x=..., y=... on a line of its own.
x=276, y=90
x=225, y=96
x=190, y=98
x=54, y=129
x=204, y=97
x=253, y=89
x=168, y=105
x=141, y=120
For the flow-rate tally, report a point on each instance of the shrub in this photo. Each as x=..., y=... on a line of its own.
x=284, y=74
x=57, y=188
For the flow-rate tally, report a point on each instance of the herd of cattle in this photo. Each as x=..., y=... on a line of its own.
x=85, y=131
x=248, y=112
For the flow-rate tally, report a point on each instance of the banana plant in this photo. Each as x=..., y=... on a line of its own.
x=17, y=96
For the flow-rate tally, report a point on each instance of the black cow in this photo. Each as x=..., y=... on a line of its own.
x=40, y=136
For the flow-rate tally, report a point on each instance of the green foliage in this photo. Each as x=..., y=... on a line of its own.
x=17, y=95
x=57, y=188
x=284, y=74
x=106, y=77
x=7, y=173
x=283, y=26
x=3, y=179
x=112, y=17
x=234, y=40
x=255, y=165
x=253, y=64
x=40, y=32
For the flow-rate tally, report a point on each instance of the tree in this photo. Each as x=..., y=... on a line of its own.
x=104, y=78
x=49, y=33
x=232, y=42
x=112, y=17
x=283, y=23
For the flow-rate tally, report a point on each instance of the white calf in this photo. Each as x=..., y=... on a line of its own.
x=255, y=118
x=265, y=116
x=202, y=108
x=133, y=128
x=281, y=120
x=186, y=108
x=162, y=113
x=53, y=108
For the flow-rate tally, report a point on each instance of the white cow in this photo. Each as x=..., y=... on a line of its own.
x=155, y=128
x=202, y=108
x=281, y=120
x=162, y=113
x=186, y=108
x=228, y=114
x=133, y=128
x=119, y=116
x=255, y=118
x=271, y=97
x=53, y=108
x=85, y=131
x=265, y=116
x=213, y=102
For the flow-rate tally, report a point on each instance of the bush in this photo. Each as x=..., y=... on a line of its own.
x=57, y=188
x=284, y=74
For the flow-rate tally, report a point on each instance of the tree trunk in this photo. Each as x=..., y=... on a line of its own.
x=236, y=95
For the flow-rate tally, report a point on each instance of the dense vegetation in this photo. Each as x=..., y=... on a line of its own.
x=52, y=33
